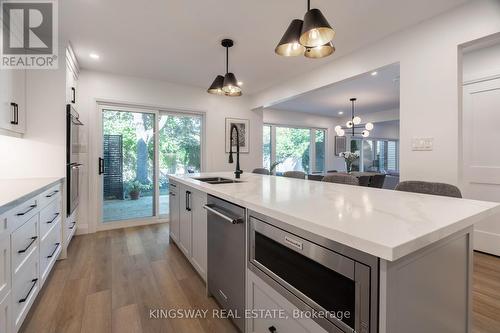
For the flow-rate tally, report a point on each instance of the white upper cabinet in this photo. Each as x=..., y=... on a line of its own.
x=13, y=100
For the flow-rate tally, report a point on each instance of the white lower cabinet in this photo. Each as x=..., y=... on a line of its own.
x=30, y=243
x=188, y=225
x=185, y=220
x=4, y=266
x=271, y=312
x=5, y=314
x=50, y=248
x=25, y=286
x=199, y=232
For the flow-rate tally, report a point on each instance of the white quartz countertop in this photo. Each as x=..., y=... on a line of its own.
x=14, y=191
x=384, y=223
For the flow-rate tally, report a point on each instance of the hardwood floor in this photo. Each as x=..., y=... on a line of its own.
x=112, y=279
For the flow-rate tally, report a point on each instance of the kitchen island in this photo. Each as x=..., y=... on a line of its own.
x=415, y=249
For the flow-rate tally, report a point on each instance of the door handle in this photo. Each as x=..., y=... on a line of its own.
x=101, y=165
x=15, y=111
x=188, y=201
x=55, y=250
x=30, y=208
x=230, y=219
x=53, y=219
x=73, y=93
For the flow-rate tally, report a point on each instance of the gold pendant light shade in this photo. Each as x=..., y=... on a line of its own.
x=316, y=31
x=319, y=51
x=289, y=45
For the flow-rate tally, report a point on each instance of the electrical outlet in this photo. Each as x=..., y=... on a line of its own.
x=422, y=144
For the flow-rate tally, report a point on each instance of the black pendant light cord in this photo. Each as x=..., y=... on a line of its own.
x=308, y=5
x=227, y=59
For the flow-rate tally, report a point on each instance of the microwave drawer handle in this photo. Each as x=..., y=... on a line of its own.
x=232, y=220
x=22, y=300
x=33, y=239
x=27, y=210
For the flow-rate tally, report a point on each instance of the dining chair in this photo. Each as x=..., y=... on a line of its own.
x=442, y=189
x=364, y=180
x=331, y=171
x=261, y=171
x=341, y=179
x=377, y=180
x=315, y=177
x=295, y=174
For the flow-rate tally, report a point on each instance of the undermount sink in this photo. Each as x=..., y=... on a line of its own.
x=217, y=180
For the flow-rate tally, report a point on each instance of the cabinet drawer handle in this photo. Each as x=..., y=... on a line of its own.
x=171, y=184
x=33, y=239
x=55, y=217
x=172, y=194
x=52, y=194
x=53, y=252
x=34, y=281
x=73, y=95
x=27, y=210
x=272, y=329
x=72, y=225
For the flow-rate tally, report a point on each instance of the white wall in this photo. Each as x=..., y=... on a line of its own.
x=429, y=65
x=95, y=86
x=386, y=130
x=480, y=64
x=41, y=152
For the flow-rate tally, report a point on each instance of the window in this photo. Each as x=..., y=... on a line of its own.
x=378, y=155
x=266, y=146
x=294, y=148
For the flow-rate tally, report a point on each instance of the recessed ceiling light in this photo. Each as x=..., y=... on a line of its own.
x=374, y=73
x=94, y=56
x=240, y=83
x=341, y=112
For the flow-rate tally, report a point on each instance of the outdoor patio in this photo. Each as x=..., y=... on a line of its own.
x=116, y=210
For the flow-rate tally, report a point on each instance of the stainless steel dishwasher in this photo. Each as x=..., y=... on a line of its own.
x=226, y=257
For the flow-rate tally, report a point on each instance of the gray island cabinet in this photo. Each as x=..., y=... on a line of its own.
x=324, y=257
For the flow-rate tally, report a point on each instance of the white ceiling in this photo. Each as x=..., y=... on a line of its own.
x=179, y=40
x=374, y=93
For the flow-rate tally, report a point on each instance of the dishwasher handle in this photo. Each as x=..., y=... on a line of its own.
x=223, y=214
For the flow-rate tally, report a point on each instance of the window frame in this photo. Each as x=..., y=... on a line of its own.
x=375, y=140
x=312, y=144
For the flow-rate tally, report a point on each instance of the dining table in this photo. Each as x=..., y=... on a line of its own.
x=364, y=177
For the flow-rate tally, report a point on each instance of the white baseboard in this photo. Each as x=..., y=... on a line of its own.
x=487, y=242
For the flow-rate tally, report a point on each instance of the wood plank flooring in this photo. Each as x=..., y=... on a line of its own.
x=112, y=279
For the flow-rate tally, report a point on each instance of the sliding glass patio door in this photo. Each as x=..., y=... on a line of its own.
x=127, y=165
x=139, y=148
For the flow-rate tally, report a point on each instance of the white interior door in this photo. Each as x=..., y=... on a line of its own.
x=481, y=155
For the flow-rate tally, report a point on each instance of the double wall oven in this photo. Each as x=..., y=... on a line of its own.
x=73, y=167
x=334, y=284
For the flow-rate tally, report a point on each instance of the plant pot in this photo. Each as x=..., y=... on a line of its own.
x=134, y=195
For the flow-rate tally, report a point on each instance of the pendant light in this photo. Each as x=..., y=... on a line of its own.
x=311, y=37
x=354, y=125
x=226, y=85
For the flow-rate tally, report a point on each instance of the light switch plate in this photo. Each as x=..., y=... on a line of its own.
x=422, y=144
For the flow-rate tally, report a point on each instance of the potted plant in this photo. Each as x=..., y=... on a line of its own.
x=135, y=188
x=349, y=157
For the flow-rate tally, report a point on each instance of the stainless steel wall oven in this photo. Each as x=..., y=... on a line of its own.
x=333, y=283
x=73, y=168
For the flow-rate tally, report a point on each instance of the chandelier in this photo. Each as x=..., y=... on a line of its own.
x=354, y=126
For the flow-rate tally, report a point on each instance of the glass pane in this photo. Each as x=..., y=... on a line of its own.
x=266, y=146
x=179, y=150
x=320, y=151
x=292, y=149
x=356, y=147
x=128, y=152
x=368, y=156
